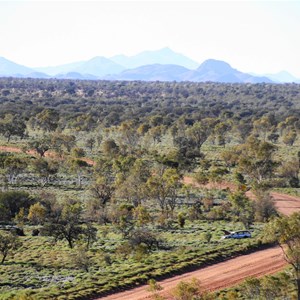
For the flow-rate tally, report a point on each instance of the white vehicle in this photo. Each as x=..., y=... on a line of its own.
x=240, y=234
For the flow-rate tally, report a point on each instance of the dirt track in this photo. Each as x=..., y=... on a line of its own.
x=230, y=272
x=286, y=204
x=217, y=276
x=224, y=274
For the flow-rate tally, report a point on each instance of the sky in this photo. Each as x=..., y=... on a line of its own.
x=253, y=36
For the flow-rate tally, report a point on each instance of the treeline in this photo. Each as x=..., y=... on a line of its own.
x=111, y=103
x=115, y=156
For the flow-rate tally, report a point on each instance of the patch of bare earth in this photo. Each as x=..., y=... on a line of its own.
x=230, y=272
x=218, y=276
x=286, y=204
x=47, y=154
x=224, y=274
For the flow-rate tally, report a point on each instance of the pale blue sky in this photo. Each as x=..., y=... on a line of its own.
x=253, y=36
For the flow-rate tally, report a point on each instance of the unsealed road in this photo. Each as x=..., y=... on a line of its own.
x=230, y=272
x=218, y=276
x=224, y=274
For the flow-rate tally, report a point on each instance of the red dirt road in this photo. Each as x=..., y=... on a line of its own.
x=218, y=276
x=224, y=274
x=286, y=204
x=230, y=272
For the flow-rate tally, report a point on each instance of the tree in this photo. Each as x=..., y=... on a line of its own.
x=220, y=131
x=41, y=145
x=286, y=231
x=45, y=169
x=102, y=190
x=264, y=206
x=12, y=202
x=289, y=138
x=90, y=143
x=143, y=236
x=8, y=243
x=133, y=186
x=79, y=167
x=46, y=120
x=142, y=216
x=200, y=131
x=155, y=287
x=243, y=129
x=110, y=148
x=81, y=259
x=188, y=290
x=60, y=141
x=251, y=288
x=190, y=141
x=14, y=166
x=65, y=224
x=242, y=208
x=37, y=213
x=12, y=126
x=256, y=160
x=128, y=137
x=163, y=186
x=290, y=170
x=123, y=218
x=262, y=126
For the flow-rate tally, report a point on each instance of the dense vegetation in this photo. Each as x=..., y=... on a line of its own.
x=96, y=178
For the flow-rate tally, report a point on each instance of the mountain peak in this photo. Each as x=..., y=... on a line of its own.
x=162, y=56
x=214, y=65
x=98, y=58
x=283, y=76
x=9, y=68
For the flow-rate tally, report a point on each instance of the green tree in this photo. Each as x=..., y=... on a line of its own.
x=46, y=120
x=90, y=143
x=188, y=290
x=286, y=231
x=242, y=208
x=290, y=171
x=45, y=168
x=256, y=160
x=41, y=145
x=262, y=126
x=78, y=167
x=14, y=166
x=12, y=126
x=164, y=186
x=264, y=206
x=8, y=243
x=65, y=224
x=63, y=141
x=102, y=190
x=12, y=202
x=81, y=259
x=110, y=148
x=251, y=288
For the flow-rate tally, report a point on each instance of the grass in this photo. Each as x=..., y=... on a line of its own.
x=46, y=270
x=277, y=286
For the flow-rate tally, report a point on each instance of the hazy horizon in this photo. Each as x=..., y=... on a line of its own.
x=253, y=36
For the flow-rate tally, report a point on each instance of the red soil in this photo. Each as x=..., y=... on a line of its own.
x=47, y=154
x=216, y=277
x=224, y=274
x=286, y=204
x=230, y=272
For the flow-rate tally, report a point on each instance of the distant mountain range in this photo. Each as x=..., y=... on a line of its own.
x=160, y=65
